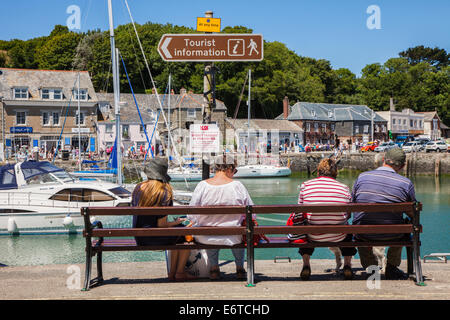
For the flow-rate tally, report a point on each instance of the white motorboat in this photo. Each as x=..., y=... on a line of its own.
x=40, y=198
x=261, y=171
x=190, y=174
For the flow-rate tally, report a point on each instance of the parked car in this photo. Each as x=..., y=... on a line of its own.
x=412, y=146
x=385, y=146
x=438, y=146
x=369, y=146
x=423, y=142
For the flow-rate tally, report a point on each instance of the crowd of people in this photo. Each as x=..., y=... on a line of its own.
x=383, y=185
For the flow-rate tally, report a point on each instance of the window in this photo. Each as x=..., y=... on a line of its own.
x=55, y=118
x=191, y=113
x=383, y=128
x=141, y=128
x=308, y=127
x=356, y=129
x=109, y=128
x=63, y=195
x=366, y=128
x=83, y=94
x=415, y=123
x=330, y=114
x=21, y=93
x=81, y=195
x=81, y=118
x=95, y=196
x=332, y=127
x=420, y=124
x=21, y=117
x=125, y=131
x=324, y=127
x=316, y=127
x=53, y=94
x=313, y=113
x=45, y=118
x=393, y=121
x=411, y=123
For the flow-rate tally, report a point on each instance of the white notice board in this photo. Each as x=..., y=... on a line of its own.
x=204, y=138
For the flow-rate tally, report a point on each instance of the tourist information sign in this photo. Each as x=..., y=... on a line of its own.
x=211, y=47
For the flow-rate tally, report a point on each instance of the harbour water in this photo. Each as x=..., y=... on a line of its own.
x=66, y=249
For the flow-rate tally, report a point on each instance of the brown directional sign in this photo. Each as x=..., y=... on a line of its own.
x=211, y=47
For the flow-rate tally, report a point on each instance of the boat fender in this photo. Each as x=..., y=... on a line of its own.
x=12, y=226
x=68, y=221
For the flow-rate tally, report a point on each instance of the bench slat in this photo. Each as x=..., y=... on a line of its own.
x=180, y=210
x=352, y=229
x=142, y=232
x=351, y=207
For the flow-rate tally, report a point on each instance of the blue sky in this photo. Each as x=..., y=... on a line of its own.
x=328, y=29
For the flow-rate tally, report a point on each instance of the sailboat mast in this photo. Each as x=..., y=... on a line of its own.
x=168, y=137
x=79, y=122
x=248, y=103
x=115, y=70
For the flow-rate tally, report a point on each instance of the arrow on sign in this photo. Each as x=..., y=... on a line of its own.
x=164, y=47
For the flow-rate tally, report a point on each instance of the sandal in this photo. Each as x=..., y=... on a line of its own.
x=214, y=274
x=241, y=274
x=184, y=276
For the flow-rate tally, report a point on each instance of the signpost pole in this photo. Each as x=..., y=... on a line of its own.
x=208, y=93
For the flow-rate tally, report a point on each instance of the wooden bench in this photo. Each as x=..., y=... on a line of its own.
x=114, y=243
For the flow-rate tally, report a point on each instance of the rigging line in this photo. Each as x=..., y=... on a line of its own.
x=135, y=54
x=153, y=82
x=64, y=123
x=236, y=110
x=154, y=128
x=177, y=155
x=134, y=97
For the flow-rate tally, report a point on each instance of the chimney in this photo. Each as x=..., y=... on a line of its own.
x=391, y=104
x=285, y=107
x=182, y=91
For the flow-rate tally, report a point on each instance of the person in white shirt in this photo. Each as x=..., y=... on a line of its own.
x=216, y=191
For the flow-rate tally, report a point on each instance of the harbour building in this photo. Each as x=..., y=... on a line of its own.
x=39, y=108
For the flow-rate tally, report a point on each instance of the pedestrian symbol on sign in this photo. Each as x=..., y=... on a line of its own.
x=252, y=47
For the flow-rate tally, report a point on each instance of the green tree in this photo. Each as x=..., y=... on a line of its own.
x=58, y=53
x=434, y=56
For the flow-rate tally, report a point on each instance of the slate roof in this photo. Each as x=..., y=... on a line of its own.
x=39, y=79
x=428, y=116
x=149, y=106
x=330, y=112
x=265, y=124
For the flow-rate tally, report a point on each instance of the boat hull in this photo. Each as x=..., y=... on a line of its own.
x=43, y=222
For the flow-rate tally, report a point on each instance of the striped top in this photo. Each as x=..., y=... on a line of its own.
x=325, y=190
x=382, y=185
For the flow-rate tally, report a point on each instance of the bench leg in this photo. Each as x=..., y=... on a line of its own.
x=99, y=267
x=87, y=279
x=417, y=265
x=409, y=259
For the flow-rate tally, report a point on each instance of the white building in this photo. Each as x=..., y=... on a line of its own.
x=403, y=123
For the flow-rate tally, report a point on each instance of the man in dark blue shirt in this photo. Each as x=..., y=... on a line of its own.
x=383, y=185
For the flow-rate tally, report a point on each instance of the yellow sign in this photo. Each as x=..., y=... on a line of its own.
x=208, y=24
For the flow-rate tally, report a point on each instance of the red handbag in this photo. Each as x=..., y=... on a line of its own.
x=256, y=237
x=297, y=219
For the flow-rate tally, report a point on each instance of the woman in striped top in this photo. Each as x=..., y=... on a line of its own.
x=326, y=190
